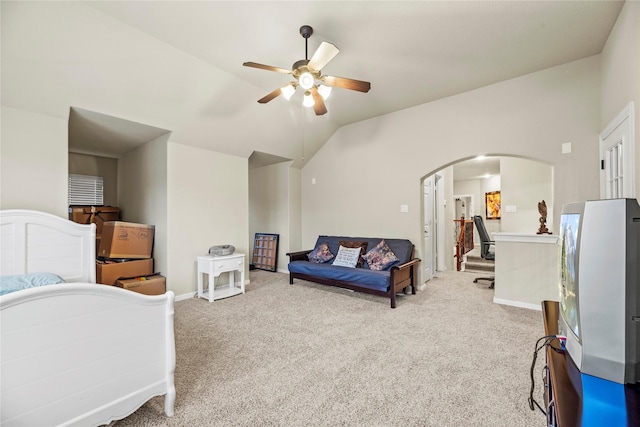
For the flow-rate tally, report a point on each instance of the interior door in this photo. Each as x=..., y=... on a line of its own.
x=428, y=244
x=617, y=154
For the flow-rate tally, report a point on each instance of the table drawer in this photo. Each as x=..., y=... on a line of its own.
x=228, y=264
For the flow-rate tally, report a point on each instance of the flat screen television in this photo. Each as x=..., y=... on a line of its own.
x=599, y=281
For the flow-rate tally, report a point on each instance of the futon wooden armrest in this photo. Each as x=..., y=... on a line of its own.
x=402, y=277
x=299, y=255
x=406, y=264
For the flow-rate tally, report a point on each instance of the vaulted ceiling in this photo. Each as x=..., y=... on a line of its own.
x=136, y=69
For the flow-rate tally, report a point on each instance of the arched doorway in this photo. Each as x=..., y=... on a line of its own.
x=522, y=183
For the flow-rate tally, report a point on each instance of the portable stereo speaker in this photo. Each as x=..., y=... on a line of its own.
x=221, y=250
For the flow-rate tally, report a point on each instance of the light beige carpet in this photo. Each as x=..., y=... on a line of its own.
x=311, y=355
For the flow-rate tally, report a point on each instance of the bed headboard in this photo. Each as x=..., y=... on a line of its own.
x=36, y=242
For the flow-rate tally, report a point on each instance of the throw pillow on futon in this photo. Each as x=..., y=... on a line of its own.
x=320, y=254
x=361, y=245
x=347, y=257
x=380, y=257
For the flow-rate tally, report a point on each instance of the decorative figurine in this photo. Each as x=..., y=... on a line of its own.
x=542, y=208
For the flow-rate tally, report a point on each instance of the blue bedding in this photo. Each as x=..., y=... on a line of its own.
x=378, y=280
x=10, y=284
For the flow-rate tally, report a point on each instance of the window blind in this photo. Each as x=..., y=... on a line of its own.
x=85, y=190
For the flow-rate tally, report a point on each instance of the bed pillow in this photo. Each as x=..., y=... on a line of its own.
x=363, y=250
x=381, y=257
x=10, y=284
x=347, y=257
x=320, y=254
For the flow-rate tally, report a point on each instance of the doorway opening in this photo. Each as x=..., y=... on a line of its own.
x=460, y=189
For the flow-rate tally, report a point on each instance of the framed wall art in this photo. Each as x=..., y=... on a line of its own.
x=492, y=203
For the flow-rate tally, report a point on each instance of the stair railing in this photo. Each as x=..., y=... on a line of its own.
x=464, y=241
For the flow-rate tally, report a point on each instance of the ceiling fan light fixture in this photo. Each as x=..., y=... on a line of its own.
x=324, y=91
x=308, y=75
x=288, y=91
x=306, y=80
x=308, y=101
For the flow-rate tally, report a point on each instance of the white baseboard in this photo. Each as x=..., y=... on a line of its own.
x=520, y=304
x=185, y=296
x=189, y=295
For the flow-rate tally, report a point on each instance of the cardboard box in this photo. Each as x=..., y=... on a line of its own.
x=108, y=271
x=94, y=214
x=148, y=285
x=126, y=240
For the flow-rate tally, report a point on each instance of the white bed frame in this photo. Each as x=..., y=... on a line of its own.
x=76, y=353
x=39, y=242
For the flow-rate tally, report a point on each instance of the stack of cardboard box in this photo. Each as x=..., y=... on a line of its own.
x=97, y=215
x=125, y=258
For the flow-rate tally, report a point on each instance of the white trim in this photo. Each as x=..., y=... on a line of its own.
x=441, y=242
x=525, y=238
x=183, y=297
x=627, y=114
x=537, y=307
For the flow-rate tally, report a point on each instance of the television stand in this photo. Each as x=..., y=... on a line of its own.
x=564, y=391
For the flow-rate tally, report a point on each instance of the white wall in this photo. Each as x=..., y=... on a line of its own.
x=621, y=73
x=269, y=206
x=368, y=169
x=207, y=204
x=142, y=195
x=33, y=162
x=523, y=185
x=295, y=209
x=62, y=54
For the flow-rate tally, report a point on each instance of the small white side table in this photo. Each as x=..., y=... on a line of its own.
x=214, y=266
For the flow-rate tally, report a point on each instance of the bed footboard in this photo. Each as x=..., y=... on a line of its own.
x=84, y=354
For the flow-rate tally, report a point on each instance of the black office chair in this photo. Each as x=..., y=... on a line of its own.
x=487, y=248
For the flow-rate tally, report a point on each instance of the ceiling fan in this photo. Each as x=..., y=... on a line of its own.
x=307, y=72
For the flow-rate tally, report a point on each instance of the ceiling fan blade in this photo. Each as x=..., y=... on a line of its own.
x=319, y=107
x=266, y=67
x=280, y=91
x=325, y=53
x=359, y=85
x=270, y=96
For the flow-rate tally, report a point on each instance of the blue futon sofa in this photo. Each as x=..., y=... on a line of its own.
x=394, y=278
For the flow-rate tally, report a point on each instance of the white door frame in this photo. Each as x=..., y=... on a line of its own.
x=441, y=253
x=429, y=231
x=468, y=198
x=621, y=131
